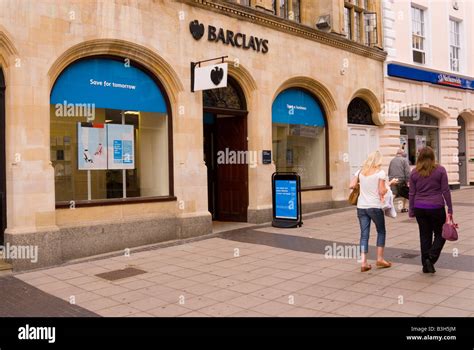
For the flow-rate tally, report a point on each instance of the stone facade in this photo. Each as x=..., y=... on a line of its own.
x=38, y=40
x=444, y=103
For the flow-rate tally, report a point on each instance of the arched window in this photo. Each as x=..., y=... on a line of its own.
x=300, y=137
x=359, y=112
x=109, y=133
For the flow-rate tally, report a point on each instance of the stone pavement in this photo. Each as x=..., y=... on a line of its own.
x=264, y=271
x=19, y=299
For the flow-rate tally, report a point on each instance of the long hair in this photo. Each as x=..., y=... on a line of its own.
x=426, y=163
x=373, y=161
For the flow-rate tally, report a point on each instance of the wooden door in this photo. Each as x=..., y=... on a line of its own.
x=231, y=179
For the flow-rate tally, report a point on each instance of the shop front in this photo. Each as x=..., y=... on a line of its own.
x=110, y=148
x=417, y=132
x=432, y=108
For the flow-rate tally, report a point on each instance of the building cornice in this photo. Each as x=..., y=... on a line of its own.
x=255, y=16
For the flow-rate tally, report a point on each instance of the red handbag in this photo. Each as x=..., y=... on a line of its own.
x=450, y=232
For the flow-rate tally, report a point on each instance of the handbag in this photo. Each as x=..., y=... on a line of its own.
x=450, y=232
x=354, y=196
x=403, y=190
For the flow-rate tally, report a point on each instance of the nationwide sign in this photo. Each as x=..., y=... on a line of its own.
x=449, y=80
x=228, y=37
x=401, y=71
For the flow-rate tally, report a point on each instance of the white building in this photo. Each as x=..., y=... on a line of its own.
x=429, y=82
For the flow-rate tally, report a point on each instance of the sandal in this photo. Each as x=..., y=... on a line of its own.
x=383, y=264
x=365, y=268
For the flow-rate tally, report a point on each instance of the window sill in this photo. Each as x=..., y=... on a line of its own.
x=112, y=201
x=317, y=188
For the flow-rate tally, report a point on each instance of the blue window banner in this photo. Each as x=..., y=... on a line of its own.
x=411, y=73
x=297, y=107
x=108, y=83
x=286, y=199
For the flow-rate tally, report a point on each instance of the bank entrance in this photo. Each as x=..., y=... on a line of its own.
x=225, y=152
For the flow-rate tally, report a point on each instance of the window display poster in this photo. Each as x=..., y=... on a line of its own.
x=420, y=142
x=121, y=146
x=286, y=197
x=404, y=144
x=91, y=146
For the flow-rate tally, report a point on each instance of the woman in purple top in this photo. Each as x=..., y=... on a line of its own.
x=429, y=191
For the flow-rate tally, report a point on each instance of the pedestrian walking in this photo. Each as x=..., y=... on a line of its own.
x=399, y=168
x=429, y=193
x=372, y=181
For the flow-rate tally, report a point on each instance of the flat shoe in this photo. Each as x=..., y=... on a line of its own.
x=365, y=268
x=383, y=265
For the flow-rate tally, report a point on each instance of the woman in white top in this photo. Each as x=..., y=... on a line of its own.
x=369, y=207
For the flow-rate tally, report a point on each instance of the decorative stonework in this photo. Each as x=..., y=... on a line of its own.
x=287, y=26
x=315, y=87
x=144, y=56
x=243, y=77
x=7, y=49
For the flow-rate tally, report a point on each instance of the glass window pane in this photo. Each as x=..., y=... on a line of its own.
x=301, y=149
x=149, y=178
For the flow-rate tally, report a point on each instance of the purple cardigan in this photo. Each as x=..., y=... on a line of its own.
x=428, y=192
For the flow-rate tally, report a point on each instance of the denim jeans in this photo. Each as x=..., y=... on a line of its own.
x=365, y=217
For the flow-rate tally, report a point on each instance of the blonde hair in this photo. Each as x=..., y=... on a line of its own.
x=373, y=161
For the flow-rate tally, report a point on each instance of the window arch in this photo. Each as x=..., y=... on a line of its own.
x=110, y=133
x=300, y=137
x=359, y=112
x=229, y=97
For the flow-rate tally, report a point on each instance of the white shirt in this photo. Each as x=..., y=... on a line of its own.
x=369, y=190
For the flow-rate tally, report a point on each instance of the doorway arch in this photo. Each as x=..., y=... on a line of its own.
x=363, y=132
x=226, y=151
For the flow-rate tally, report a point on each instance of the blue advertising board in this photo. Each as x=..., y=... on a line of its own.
x=107, y=83
x=286, y=200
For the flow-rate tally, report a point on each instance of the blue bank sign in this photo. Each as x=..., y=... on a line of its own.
x=297, y=107
x=400, y=71
x=107, y=83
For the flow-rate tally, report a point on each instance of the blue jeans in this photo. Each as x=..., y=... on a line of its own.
x=365, y=216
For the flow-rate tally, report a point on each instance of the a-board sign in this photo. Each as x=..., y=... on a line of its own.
x=286, y=190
